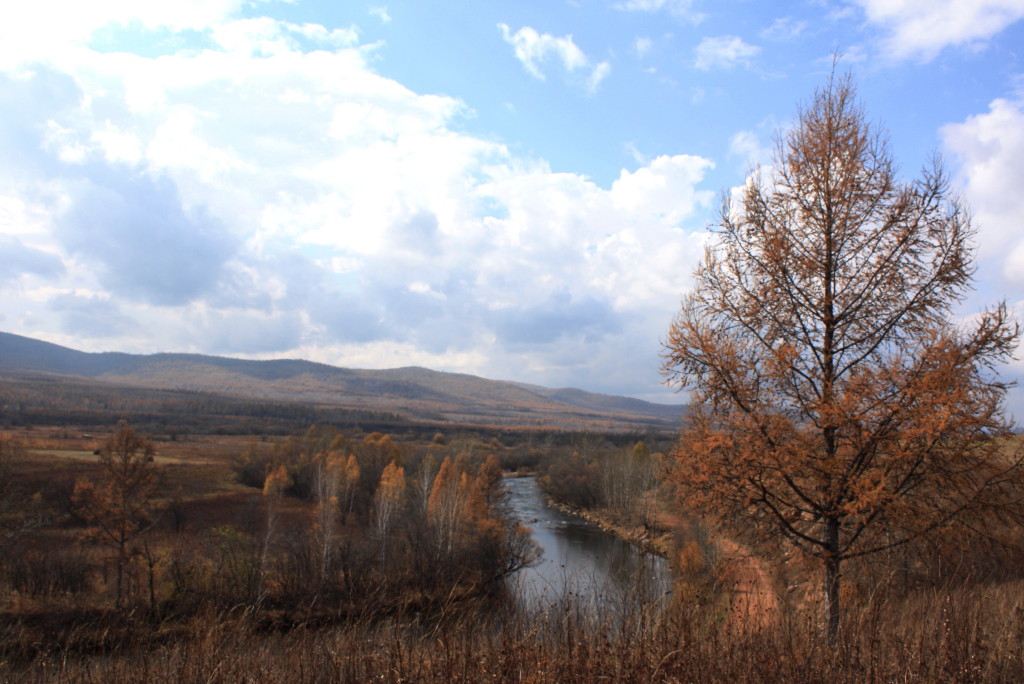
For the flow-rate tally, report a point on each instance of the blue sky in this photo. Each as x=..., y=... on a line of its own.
x=517, y=190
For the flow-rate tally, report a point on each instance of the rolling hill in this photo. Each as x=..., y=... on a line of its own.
x=417, y=394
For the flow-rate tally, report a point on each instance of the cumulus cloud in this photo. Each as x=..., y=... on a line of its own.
x=723, y=52
x=90, y=315
x=20, y=260
x=922, y=28
x=31, y=99
x=665, y=187
x=141, y=241
x=533, y=49
x=989, y=150
x=556, y=317
x=353, y=221
x=240, y=331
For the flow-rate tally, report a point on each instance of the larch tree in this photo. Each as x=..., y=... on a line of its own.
x=119, y=508
x=834, y=400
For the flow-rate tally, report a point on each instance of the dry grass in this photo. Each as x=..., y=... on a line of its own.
x=57, y=626
x=953, y=635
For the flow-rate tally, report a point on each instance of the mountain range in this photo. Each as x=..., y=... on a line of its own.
x=417, y=394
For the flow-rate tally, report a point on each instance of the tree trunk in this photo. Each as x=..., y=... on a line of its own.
x=830, y=588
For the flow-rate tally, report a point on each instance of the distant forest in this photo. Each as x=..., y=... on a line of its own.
x=34, y=399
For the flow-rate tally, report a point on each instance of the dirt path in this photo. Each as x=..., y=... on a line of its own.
x=754, y=604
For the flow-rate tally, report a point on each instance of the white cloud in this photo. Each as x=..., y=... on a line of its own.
x=723, y=52
x=923, y=28
x=784, y=28
x=642, y=47
x=599, y=73
x=682, y=9
x=989, y=149
x=747, y=146
x=56, y=29
x=381, y=13
x=118, y=146
x=533, y=49
x=265, y=36
x=352, y=220
x=664, y=187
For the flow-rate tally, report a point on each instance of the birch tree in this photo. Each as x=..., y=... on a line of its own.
x=387, y=503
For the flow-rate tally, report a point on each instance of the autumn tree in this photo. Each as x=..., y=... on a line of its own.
x=387, y=505
x=119, y=506
x=330, y=474
x=349, y=482
x=274, y=487
x=445, y=505
x=503, y=544
x=835, y=402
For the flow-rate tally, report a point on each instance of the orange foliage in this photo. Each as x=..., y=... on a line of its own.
x=834, y=402
x=118, y=508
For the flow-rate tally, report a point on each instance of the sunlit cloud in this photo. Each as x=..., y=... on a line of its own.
x=920, y=29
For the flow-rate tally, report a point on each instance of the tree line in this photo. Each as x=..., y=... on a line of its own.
x=321, y=525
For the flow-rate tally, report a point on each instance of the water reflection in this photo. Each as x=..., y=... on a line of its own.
x=580, y=560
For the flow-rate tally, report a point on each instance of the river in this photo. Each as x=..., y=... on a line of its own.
x=580, y=560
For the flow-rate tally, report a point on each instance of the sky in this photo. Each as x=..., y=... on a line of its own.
x=517, y=190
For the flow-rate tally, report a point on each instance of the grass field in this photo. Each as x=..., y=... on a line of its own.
x=222, y=587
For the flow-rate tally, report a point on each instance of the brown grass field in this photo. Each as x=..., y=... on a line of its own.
x=188, y=620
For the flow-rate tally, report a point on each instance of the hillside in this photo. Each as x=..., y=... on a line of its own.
x=416, y=394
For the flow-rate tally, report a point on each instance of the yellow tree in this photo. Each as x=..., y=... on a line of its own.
x=445, y=505
x=119, y=507
x=834, y=400
x=387, y=502
x=349, y=482
x=500, y=543
x=274, y=487
x=330, y=472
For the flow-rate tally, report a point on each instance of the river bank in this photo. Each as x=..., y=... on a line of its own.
x=651, y=540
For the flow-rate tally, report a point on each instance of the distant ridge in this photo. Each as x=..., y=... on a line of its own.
x=419, y=394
